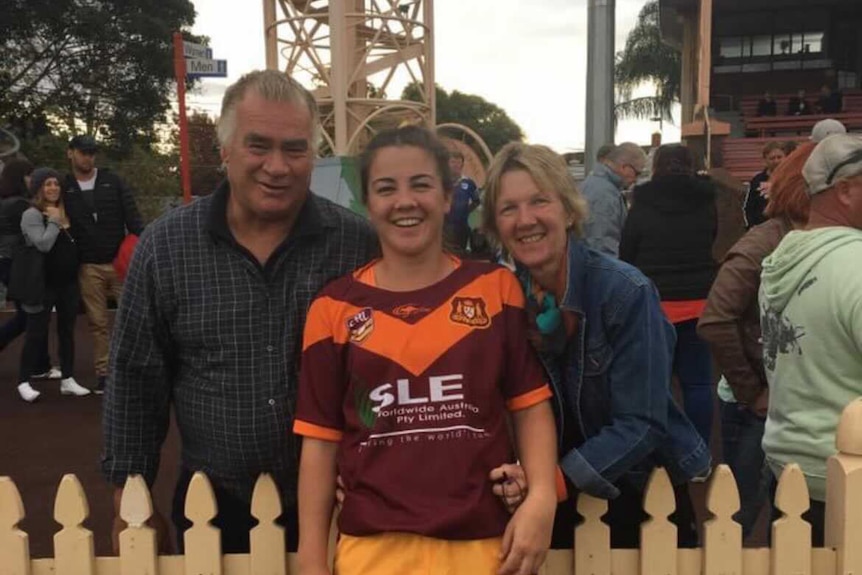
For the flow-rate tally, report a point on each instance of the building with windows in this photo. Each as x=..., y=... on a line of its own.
x=808, y=49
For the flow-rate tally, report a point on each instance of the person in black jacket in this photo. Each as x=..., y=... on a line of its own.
x=758, y=188
x=669, y=235
x=102, y=211
x=46, y=228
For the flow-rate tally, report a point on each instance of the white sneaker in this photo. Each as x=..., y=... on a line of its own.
x=52, y=373
x=27, y=393
x=69, y=386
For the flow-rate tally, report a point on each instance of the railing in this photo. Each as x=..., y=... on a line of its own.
x=722, y=552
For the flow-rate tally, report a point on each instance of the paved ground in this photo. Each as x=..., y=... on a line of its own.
x=41, y=442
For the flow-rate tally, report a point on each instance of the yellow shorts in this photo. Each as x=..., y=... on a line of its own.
x=409, y=554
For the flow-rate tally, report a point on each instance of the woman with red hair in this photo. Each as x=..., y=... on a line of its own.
x=731, y=325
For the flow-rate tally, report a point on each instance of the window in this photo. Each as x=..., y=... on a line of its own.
x=730, y=47
x=761, y=46
x=813, y=42
x=781, y=45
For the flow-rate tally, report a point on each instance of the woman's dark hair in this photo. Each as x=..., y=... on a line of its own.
x=12, y=182
x=412, y=135
x=673, y=160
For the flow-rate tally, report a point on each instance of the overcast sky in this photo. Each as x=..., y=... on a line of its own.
x=527, y=57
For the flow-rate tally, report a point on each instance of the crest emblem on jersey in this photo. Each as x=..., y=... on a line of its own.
x=470, y=311
x=360, y=325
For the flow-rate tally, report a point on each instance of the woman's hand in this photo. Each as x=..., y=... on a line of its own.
x=53, y=213
x=510, y=485
x=528, y=536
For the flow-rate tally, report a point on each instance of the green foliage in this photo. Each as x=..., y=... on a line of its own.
x=205, y=158
x=102, y=65
x=647, y=60
x=485, y=118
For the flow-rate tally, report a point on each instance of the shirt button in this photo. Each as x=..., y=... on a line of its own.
x=270, y=349
x=272, y=402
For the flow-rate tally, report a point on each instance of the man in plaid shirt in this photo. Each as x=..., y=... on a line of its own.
x=211, y=317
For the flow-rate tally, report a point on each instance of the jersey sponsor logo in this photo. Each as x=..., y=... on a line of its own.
x=361, y=325
x=409, y=310
x=470, y=311
x=441, y=388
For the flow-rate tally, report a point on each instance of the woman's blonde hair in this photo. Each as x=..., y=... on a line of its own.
x=547, y=168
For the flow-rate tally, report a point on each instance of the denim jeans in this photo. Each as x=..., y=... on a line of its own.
x=741, y=436
x=692, y=364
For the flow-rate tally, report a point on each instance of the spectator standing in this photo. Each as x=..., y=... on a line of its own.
x=603, y=190
x=465, y=199
x=731, y=325
x=210, y=324
x=758, y=188
x=14, y=201
x=811, y=313
x=46, y=230
x=669, y=235
x=102, y=210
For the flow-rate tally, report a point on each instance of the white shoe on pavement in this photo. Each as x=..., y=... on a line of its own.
x=52, y=373
x=27, y=393
x=69, y=386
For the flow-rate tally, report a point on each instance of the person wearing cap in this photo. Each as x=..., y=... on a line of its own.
x=811, y=317
x=102, y=211
x=825, y=128
x=54, y=284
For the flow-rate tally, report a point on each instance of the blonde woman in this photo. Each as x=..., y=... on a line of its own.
x=52, y=282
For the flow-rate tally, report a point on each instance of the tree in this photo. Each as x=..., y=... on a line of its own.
x=647, y=60
x=205, y=158
x=488, y=120
x=103, y=64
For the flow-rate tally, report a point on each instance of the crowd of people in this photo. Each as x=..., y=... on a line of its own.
x=451, y=407
x=59, y=239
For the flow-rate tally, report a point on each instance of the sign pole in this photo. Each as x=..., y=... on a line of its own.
x=180, y=73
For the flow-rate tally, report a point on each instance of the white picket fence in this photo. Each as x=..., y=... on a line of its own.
x=722, y=552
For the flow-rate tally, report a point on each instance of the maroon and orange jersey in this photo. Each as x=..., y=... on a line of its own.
x=415, y=386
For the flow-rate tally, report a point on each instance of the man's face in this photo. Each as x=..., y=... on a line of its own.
x=773, y=158
x=269, y=158
x=630, y=171
x=83, y=161
x=456, y=166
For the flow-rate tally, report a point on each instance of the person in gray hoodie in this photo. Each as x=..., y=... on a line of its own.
x=811, y=318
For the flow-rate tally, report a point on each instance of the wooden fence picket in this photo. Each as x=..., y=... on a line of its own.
x=202, y=540
x=138, y=551
x=73, y=544
x=14, y=547
x=844, y=492
x=267, y=551
x=592, y=538
x=791, y=535
x=722, y=536
x=658, y=554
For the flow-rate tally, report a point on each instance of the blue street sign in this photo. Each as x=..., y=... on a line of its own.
x=205, y=68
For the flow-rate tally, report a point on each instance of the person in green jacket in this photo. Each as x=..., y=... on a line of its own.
x=811, y=318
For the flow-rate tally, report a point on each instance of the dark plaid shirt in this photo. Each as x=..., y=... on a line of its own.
x=203, y=327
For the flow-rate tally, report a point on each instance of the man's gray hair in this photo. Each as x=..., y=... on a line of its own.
x=270, y=85
x=627, y=153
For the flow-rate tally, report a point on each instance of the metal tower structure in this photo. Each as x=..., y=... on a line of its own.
x=349, y=53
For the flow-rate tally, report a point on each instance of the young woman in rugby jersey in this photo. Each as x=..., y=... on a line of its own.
x=411, y=366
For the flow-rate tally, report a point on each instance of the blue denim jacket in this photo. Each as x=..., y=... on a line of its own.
x=615, y=379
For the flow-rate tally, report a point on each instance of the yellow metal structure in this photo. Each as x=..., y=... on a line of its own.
x=350, y=53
